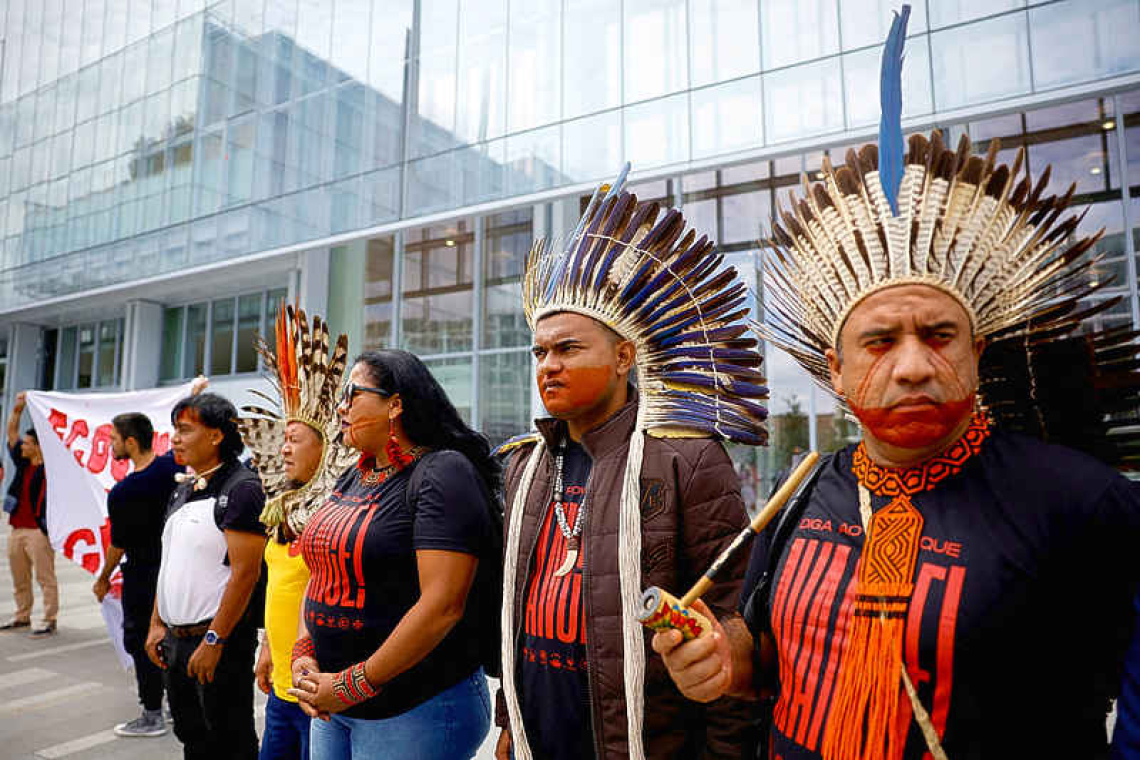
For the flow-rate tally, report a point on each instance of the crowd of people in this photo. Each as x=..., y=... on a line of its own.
x=950, y=586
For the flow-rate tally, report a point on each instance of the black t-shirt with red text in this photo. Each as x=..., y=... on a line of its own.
x=552, y=661
x=361, y=550
x=1020, y=610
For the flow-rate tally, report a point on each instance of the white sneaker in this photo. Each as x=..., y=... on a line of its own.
x=150, y=723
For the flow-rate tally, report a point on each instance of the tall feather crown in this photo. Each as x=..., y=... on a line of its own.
x=982, y=232
x=665, y=289
x=306, y=377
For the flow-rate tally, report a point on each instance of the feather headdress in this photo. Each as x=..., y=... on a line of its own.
x=306, y=377
x=663, y=288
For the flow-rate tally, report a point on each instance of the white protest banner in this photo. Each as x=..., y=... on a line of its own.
x=75, y=435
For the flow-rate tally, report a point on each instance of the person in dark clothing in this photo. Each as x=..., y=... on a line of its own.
x=28, y=547
x=203, y=630
x=136, y=506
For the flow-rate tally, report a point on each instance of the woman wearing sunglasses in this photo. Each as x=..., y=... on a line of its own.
x=388, y=655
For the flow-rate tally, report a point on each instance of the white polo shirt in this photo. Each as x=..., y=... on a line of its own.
x=193, y=575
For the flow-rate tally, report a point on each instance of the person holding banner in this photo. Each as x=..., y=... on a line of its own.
x=28, y=547
x=203, y=630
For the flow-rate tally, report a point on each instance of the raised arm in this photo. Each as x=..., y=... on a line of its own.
x=14, y=418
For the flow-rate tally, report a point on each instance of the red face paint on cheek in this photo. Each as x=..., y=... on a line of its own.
x=914, y=428
x=574, y=388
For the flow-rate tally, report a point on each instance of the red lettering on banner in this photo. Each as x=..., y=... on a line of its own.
x=79, y=429
x=90, y=559
x=161, y=443
x=58, y=422
x=100, y=449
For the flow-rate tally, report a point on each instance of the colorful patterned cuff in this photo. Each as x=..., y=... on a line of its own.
x=351, y=686
x=303, y=648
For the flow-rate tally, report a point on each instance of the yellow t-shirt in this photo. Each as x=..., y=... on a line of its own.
x=284, y=593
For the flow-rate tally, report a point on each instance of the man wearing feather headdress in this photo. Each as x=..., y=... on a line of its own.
x=297, y=450
x=623, y=487
x=949, y=587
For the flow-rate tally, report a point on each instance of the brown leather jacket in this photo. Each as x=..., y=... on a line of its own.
x=691, y=510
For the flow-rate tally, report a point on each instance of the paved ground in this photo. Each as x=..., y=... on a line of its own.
x=60, y=696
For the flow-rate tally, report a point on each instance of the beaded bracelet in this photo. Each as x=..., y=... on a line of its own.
x=303, y=648
x=351, y=686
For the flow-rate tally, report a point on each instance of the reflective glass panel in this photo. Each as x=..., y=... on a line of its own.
x=980, y=62
x=436, y=313
x=656, y=36
x=108, y=331
x=65, y=367
x=803, y=101
x=171, y=362
x=534, y=65
x=798, y=30
x=86, y=356
x=727, y=118
x=249, y=325
x=505, y=382
x=454, y=374
x=861, y=82
x=591, y=147
x=481, y=105
x=724, y=40
x=506, y=243
x=533, y=161
x=195, y=359
x=867, y=22
x=222, y=338
x=657, y=133
x=591, y=72
x=378, y=268
x=945, y=12
x=1106, y=33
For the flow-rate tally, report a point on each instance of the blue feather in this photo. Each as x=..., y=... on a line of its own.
x=890, y=104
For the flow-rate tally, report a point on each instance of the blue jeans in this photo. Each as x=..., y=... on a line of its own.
x=449, y=726
x=286, y=735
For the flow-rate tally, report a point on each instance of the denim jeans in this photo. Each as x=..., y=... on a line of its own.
x=286, y=735
x=449, y=726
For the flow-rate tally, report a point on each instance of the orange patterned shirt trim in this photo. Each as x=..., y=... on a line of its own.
x=888, y=481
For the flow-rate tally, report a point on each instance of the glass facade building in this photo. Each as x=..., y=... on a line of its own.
x=170, y=169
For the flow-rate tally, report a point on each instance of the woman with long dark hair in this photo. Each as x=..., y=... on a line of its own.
x=390, y=658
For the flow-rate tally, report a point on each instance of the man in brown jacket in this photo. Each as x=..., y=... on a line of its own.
x=567, y=620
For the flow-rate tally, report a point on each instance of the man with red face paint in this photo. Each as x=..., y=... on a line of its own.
x=947, y=587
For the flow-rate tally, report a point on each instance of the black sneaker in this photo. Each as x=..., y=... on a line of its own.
x=47, y=629
x=150, y=723
x=12, y=625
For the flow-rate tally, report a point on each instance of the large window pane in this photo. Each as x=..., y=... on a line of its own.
x=433, y=126
x=108, y=332
x=86, y=375
x=249, y=323
x=945, y=12
x=591, y=70
x=655, y=41
x=1104, y=36
x=222, y=342
x=803, y=101
x=454, y=374
x=533, y=161
x=505, y=382
x=195, y=359
x=657, y=133
x=861, y=82
x=507, y=241
x=378, y=269
x=724, y=40
x=66, y=363
x=867, y=22
x=798, y=30
x=534, y=64
x=437, y=287
x=482, y=104
x=727, y=118
x=591, y=147
x=171, y=363
x=980, y=62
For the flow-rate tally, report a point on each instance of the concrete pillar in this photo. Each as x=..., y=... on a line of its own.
x=25, y=354
x=313, y=281
x=345, y=276
x=142, y=345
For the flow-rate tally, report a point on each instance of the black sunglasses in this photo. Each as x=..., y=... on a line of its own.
x=348, y=393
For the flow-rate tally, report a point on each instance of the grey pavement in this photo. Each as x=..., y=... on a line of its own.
x=61, y=695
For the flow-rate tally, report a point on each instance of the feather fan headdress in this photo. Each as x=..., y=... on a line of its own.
x=984, y=233
x=306, y=377
x=663, y=288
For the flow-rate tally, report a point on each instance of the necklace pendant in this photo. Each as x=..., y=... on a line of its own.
x=571, y=558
